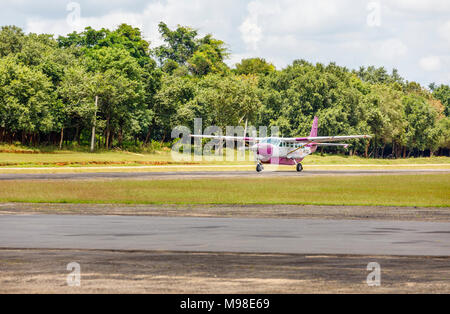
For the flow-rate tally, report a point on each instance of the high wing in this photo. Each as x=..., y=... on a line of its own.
x=318, y=140
x=323, y=139
x=230, y=138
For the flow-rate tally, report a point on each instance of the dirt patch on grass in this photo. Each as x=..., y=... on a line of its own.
x=44, y=271
x=237, y=211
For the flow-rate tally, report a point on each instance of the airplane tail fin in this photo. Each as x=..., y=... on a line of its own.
x=315, y=127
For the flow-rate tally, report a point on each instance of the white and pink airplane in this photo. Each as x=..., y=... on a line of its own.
x=286, y=151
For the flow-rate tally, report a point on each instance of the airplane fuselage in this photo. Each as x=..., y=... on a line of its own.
x=273, y=151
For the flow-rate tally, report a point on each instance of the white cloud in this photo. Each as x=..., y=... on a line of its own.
x=390, y=49
x=430, y=63
x=444, y=31
x=269, y=21
x=422, y=6
x=207, y=16
x=62, y=27
x=294, y=15
x=251, y=33
x=410, y=34
x=309, y=15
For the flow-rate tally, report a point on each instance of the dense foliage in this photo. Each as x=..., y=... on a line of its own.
x=48, y=87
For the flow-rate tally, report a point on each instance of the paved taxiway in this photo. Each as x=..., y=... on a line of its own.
x=206, y=174
x=226, y=235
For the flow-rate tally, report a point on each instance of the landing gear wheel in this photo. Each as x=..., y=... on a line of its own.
x=299, y=167
x=259, y=168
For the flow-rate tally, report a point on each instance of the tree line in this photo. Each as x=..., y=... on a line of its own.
x=48, y=88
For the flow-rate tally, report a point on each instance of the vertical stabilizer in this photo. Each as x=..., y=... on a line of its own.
x=314, y=128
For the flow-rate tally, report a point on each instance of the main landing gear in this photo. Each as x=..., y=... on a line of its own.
x=299, y=167
x=259, y=167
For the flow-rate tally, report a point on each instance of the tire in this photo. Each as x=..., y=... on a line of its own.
x=259, y=168
x=299, y=167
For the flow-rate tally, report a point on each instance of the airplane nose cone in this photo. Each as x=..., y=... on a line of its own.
x=265, y=150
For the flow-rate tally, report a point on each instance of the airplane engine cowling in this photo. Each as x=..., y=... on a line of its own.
x=265, y=150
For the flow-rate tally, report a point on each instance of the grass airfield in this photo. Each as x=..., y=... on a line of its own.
x=385, y=190
x=165, y=157
x=120, y=161
x=429, y=190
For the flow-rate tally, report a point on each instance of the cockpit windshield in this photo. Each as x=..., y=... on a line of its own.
x=271, y=140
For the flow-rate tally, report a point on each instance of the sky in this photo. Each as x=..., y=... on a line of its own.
x=412, y=36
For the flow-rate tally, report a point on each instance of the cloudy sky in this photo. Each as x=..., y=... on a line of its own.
x=410, y=35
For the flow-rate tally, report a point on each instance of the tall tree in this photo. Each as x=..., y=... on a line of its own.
x=27, y=100
x=120, y=90
x=183, y=48
x=254, y=66
x=180, y=44
x=442, y=93
x=11, y=40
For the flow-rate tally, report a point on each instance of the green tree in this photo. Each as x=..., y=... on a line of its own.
x=179, y=46
x=27, y=100
x=120, y=89
x=230, y=101
x=174, y=105
x=421, y=130
x=42, y=52
x=302, y=90
x=375, y=75
x=386, y=118
x=442, y=93
x=124, y=52
x=206, y=60
x=182, y=46
x=11, y=40
x=124, y=37
x=77, y=91
x=254, y=66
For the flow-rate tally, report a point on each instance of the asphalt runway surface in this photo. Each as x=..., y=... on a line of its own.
x=205, y=174
x=300, y=236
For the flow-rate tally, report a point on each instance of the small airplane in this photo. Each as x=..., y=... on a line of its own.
x=287, y=151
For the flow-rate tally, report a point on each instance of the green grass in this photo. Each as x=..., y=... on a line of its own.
x=109, y=158
x=317, y=159
x=404, y=190
x=53, y=159
x=120, y=158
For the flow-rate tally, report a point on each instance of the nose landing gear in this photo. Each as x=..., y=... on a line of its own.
x=299, y=167
x=259, y=167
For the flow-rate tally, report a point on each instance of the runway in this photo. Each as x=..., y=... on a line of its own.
x=300, y=236
x=206, y=174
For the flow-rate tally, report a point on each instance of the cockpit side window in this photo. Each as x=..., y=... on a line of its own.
x=273, y=141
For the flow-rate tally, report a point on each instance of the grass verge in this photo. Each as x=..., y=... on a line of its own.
x=111, y=158
x=406, y=190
